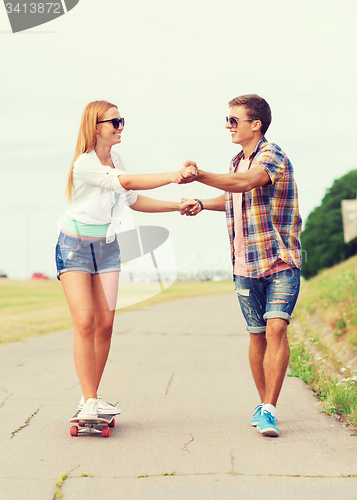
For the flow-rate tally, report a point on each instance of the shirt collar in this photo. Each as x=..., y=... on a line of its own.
x=256, y=150
x=258, y=147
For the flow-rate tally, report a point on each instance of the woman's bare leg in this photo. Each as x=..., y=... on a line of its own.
x=104, y=293
x=77, y=287
x=90, y=299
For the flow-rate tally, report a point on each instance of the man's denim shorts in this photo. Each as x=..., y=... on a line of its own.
x=94, y=257
x=268, y=297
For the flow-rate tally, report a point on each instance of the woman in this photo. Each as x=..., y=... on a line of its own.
x=87, y=252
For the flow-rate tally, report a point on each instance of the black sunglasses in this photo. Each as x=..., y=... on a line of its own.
x=115, y=121
x=234, y=121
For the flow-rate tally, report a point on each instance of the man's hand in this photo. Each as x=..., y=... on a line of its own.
x=190, y=207
x=190, y=163
x=188, y=173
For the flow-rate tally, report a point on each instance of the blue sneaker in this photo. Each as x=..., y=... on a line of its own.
x=256, y=416
x=266, y=425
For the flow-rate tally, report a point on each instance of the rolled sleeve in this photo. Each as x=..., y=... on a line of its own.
x=96, y=174
x=131, y=197
x=272, y=162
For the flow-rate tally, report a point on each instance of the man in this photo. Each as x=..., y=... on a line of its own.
x=264, y=226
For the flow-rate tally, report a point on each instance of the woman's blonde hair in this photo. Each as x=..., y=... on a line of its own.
x=87, y=136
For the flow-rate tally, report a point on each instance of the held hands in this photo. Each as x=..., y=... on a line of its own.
x=190, y=207
x=184, y=176
x=188, y=173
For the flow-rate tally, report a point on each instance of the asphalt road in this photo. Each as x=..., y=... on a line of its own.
x=179, y=372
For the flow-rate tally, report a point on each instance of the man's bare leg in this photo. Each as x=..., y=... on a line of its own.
x=257, y=350
x=276, y=358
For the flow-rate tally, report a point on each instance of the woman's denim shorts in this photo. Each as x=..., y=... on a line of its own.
x=94, y=257
x=268, y=297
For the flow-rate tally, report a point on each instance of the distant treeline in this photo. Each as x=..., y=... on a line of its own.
x=322, y=238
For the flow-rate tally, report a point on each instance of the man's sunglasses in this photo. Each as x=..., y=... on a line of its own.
x=234, y=121
x=115, y=121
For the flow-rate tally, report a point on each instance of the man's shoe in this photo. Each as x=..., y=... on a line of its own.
x=266, y=425
x=103, y=407
x=89, y=410
x=256, y=416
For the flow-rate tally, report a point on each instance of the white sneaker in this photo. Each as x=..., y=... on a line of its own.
x=103, y=407
x=89, y=409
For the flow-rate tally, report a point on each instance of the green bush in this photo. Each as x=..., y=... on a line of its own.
x=322, y=238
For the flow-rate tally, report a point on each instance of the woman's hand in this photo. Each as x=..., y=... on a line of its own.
x=189, y=207
x=187, y=174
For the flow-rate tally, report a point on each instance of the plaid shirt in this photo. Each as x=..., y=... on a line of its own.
x=271, y=219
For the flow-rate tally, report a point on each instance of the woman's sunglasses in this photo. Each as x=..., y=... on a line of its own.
x=115, y=121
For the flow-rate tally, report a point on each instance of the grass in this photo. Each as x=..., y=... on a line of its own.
x=170, y=473
x=323, y=339
x=332, y=295
x=27, y=422
x=339, y=397
x=173, y=473
x=31, y=308
x=57, y=492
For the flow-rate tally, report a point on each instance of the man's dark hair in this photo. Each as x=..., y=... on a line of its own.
x=256, y=107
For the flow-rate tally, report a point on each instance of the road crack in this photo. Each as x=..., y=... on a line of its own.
x=190, y=441
x=169, y=383
x=232, y=463
x=26, y=424
x=7, y=397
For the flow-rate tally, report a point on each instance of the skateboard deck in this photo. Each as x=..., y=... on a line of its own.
x=98, y=425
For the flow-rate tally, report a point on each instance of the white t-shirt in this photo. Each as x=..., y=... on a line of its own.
x=239, y=248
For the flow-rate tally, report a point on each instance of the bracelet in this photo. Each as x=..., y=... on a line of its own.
x=200, y=202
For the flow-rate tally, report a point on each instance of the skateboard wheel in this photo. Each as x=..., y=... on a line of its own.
x=112, y=423
x=105, y=432
x=73, y=430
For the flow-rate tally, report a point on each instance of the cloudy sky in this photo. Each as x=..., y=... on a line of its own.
x=171, y=67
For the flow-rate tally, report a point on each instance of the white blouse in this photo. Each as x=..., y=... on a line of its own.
x=93, y=196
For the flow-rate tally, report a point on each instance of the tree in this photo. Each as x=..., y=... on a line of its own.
x=322, y=239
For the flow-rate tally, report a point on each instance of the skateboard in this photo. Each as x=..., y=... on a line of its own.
x=99, y=425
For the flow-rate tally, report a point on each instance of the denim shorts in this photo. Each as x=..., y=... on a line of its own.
x=94, y=257
x=268, y=297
